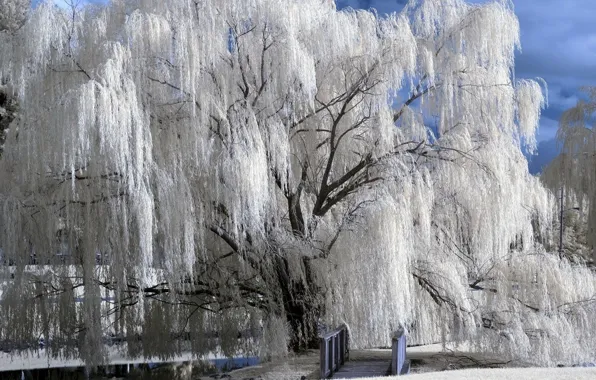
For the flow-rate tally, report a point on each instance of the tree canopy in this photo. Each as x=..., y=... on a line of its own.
x=13, y=14
x=194, y=163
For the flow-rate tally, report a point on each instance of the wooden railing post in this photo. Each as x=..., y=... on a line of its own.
x=323, y=357
x=399, y=364
x=394, y=360
x=334, y=351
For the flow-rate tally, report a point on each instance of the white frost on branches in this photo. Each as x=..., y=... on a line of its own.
x=13, y=14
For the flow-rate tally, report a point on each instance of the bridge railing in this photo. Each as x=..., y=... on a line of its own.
x=399, y=364
x=334, y=347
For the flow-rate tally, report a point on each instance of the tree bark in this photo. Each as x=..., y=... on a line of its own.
x=295, y=214
x=9, y=105
x=301, y=304
x=300, y=294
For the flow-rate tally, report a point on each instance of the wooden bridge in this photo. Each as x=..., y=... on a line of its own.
x=336, y=361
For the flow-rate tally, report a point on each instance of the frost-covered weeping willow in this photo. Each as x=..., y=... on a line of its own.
x=196, y=171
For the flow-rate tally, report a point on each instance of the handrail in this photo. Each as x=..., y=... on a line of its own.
x=399, y=365
x=334, y=347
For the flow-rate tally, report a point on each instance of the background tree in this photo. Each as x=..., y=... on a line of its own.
x=572, y=171
x=282, y=161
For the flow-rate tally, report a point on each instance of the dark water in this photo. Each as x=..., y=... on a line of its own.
x=226, y=364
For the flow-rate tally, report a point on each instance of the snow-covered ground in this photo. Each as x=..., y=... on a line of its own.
x=430, y=362
x=504, y=374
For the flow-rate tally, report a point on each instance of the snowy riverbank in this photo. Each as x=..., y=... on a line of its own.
x=429, y=362
x=38, y=359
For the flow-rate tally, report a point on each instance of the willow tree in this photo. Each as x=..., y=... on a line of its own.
x=572, y=172
x=219, y=168
x=12, y=16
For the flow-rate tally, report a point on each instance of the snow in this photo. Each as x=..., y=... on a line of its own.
x=295, y=366
x=431, y=362
x=505, y=373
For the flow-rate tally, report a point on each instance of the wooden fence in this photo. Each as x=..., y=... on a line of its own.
x=334, y=350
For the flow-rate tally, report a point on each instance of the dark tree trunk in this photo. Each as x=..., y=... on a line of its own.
x=300, y=294
x=301, y=304
x=295, y=214
x=9, y=104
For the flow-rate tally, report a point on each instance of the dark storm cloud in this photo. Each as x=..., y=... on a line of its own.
x=558, y=44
